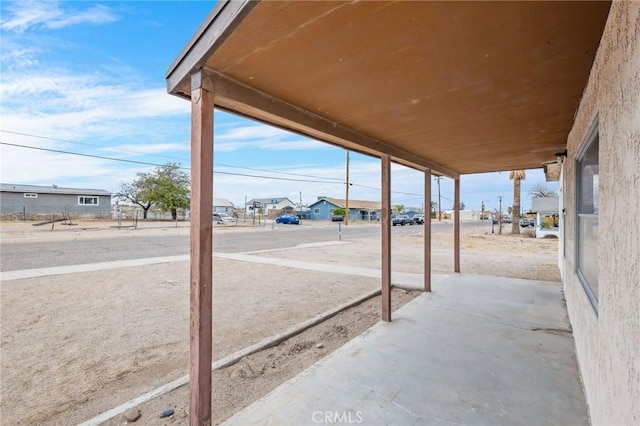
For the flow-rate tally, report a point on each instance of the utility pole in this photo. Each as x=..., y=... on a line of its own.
x=500, y=216
x=439, y=200
x=346, y=204
x=300, y=211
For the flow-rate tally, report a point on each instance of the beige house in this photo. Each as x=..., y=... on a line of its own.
x=448, y=88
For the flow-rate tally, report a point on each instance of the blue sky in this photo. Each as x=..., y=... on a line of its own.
x=88, y=77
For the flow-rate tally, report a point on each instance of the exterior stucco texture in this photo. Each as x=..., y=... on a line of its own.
x=608, y=341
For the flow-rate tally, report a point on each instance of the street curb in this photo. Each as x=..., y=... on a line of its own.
x=230, y=359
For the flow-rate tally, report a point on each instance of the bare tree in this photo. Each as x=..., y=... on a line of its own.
x=138, y=192
x=541, y=190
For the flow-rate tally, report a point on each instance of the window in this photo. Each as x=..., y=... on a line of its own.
x=30, y=195
x=587, y=201
x=85, y=200
x=316, y=211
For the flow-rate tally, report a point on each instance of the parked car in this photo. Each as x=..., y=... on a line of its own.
x=223, y=218
x=288, y=219
x=401, y=220
x=527, y=222
x=337, y=218
x=418, y=219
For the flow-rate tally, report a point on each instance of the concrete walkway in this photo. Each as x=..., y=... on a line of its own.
x=478, y=350
x=400, y=279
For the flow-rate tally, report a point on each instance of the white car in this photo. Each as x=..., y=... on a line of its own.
x=223, y=218
x=418, y=219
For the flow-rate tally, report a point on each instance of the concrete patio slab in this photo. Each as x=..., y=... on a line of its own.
x=478, y=350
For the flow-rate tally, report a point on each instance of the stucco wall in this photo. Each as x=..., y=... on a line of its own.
x=608, y=344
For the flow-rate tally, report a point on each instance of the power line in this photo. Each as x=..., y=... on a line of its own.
x=145, y=163
x=101, y=157
x=282, y=173
x=131, y=151
x=82, y=155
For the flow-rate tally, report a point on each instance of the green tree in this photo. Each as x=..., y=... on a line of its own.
x=171, y=188
x=517, y=176
x=339, y=211
x=399, y=208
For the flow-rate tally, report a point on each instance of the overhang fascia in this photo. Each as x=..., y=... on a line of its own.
x=220, y=23
x=238, y=98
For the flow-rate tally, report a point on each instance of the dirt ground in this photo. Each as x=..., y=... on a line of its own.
x=79, y=344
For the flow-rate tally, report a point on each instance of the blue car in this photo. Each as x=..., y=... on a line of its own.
x=288, y=219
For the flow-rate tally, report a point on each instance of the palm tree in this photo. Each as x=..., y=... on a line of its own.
x=517, y=176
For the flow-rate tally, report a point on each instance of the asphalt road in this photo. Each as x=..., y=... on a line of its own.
x=19, y=256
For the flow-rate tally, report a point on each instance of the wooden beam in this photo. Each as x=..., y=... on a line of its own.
x=427, y=230
x=201, y=296
x=456, y=226
x=386, y=238
x=241, y=99
x=223, y=19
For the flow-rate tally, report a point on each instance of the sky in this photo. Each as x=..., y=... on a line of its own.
x=88, y=78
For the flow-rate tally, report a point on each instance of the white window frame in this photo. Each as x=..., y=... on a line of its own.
x=81, y=200
x=593, y=135
x=316, y=211
x=30, y=195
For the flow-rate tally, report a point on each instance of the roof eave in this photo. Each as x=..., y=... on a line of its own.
x=220, y=23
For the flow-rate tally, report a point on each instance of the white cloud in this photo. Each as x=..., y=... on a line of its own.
x=24, y=166
x=59, y=104
x=20, y=57
x=23, y=15
x=156, y=148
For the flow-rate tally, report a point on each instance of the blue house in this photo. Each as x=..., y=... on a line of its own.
x=358, y=209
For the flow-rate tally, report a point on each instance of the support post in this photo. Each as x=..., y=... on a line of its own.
x=201, y=295
x=456, y=226
x=386, y=238
x=346, y=201
x=427, y=230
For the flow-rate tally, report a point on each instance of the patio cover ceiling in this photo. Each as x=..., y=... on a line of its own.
x=458, y=87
